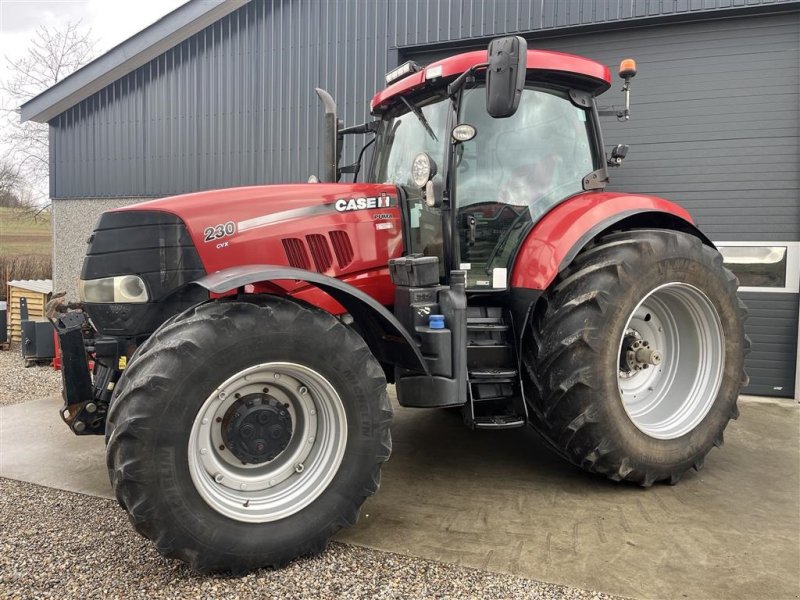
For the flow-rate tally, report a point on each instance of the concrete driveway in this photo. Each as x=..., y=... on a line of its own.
x=500, y=501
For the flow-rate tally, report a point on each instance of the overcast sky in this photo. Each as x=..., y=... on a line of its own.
x=111, y=22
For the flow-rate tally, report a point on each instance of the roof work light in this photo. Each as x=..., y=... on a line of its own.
x=404, y=70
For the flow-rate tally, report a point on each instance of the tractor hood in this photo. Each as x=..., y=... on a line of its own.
x=329, y=228
x=348, y=231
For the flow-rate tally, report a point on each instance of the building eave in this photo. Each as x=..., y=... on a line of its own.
x=167, y=32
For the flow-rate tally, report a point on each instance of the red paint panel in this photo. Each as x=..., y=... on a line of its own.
x=298, y=220
x=542, y=60
x=557, y=233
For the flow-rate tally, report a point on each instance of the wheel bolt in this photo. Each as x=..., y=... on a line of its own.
x=218, y=477
x=299, y=467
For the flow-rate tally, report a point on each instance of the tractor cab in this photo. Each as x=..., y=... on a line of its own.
x=474, y=183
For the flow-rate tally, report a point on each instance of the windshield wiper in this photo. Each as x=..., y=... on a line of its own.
x=421, y=117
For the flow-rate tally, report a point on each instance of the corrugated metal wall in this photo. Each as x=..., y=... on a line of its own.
x=234, y=104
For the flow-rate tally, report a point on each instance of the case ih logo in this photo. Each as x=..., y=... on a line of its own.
x=382, y=201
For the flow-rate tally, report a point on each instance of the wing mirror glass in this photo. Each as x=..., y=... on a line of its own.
x=505, y=75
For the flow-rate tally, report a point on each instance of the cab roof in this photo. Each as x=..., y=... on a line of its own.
x=581, y=72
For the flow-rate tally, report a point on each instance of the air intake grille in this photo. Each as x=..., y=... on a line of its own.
x=320, y=251
x=342, y=248
x=296, y=253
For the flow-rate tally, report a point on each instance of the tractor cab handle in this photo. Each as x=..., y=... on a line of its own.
x=471, y=225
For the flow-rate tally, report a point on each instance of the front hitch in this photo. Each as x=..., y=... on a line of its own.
x=83, y=411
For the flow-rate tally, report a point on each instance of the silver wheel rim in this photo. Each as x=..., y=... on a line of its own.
x=670, y=398
x=276, y=489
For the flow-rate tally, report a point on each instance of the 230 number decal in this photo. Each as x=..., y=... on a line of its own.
x=219, y=231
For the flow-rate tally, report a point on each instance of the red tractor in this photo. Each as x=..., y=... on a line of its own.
x=243, y=339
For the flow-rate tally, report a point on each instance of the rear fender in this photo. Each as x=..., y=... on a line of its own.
x=562, y=233
x=557, y=238
x=386, y=337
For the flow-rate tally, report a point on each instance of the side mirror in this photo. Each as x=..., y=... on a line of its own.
x=505, y=75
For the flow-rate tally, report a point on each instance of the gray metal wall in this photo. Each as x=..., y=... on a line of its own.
x=234, y=104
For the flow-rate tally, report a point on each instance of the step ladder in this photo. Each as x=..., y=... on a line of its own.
x=495, y=397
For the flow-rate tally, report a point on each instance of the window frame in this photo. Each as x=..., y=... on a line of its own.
x=792, y=265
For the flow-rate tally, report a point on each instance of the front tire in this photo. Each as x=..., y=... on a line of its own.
x=634, y=358
x=246, y=434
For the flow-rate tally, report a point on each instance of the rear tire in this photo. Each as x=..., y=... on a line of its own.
x=196, y=493
x=592, y=399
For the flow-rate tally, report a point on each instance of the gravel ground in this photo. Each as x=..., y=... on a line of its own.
x=18, y=384
x=47, y=539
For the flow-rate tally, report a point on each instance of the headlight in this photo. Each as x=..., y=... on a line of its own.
x=121, y=289
x=422, y=169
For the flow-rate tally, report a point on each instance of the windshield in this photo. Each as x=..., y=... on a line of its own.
x=405, y=136
x=400, y=139
x=512, y=172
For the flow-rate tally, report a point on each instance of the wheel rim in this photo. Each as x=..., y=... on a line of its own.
x=672, y=357
x=271, y=489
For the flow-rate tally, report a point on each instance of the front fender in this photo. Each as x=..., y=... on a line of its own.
x=386, y=337
x=566, y=229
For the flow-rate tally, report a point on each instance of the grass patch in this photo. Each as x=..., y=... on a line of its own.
x=25, y=246
x=21, y=234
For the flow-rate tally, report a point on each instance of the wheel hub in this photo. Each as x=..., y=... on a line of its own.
x=637, y=354
x=257, y=428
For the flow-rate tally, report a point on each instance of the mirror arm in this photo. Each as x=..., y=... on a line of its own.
x=622, y=114
x=355, y=168
x=370, y=127
x=456, y=85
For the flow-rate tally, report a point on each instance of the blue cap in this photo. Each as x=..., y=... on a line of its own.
x=436, y=321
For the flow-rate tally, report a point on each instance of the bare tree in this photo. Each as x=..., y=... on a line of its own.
x=54, y=53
